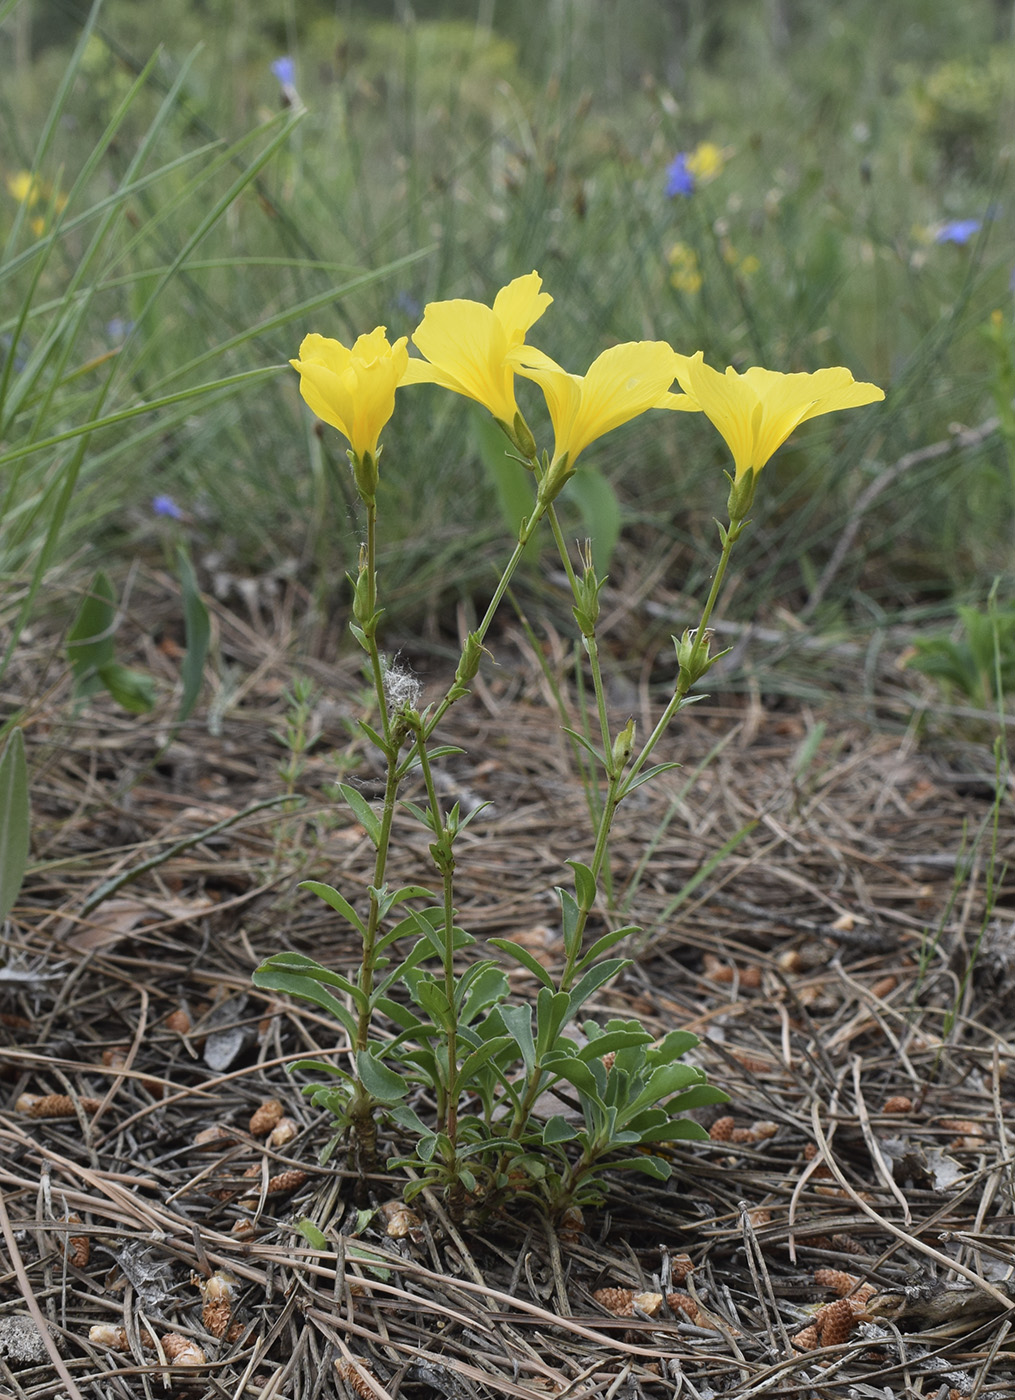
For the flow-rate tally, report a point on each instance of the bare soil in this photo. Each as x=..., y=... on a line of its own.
x=848, y=965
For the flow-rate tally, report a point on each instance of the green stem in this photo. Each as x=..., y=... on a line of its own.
x=376, y=666
x=444, y=860
x=524, y=535
x=588, y=640
x=684, y=678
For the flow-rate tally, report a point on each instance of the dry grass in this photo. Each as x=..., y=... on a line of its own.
x=877, y=1071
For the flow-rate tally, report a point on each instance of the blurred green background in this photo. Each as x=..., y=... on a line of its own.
x=178, y=208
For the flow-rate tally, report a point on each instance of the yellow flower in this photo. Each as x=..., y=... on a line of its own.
x=706, y=161
x=756, y=411
x=468, y=344
x=621, y=383
x=353, y=390
x=25, y=187
x=685, y=273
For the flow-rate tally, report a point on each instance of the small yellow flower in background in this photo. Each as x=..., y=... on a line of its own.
x=756, y=411
x=745, y=266
x=354, y=391
x=621, y=383
x=25, y=187
x=468, y=346
x=707, y=161
x=685, y=272
x=31, y=191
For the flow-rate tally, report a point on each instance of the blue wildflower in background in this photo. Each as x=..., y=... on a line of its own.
x=679, y=179
x=285, y=71
x=165, y=505
x=958, y=231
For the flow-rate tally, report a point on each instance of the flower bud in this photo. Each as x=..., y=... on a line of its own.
x=692, y=656
x=586, y=610
x=472, y=653
x=623, y=745
x=556, y=478
x=523, y=439
x=364, y=471
x=741, y=496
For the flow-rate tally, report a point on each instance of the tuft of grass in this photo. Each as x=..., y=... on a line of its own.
x=190, y=221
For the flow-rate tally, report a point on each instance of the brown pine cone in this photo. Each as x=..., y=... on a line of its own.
x=264, y=1118
x=286, y=1182
x=722, y=1129
x=181, y=1351
x=53, y=1105
x=898, y=1103
x=835, y=1321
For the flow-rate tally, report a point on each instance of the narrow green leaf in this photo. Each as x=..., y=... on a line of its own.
x=581, y=739
x=197, y=634
x=364, y=813
x=552, y=1014
x=381, y=1083
x=569, y=915
x=523, y=956
x=646, y=776
x=15, y=821
x=584, y=884
x=335, y=901
x=479, y=1057
x=518, y=1021
x=133, y=690
x=434, y=1002
x=90, y=643
x=314, y=1237
x=613, y=1041
x=655, y=1167
x=592, y=980
x=604, y=944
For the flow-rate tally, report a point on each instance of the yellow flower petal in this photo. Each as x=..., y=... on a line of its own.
x=467, y=344
x=352, y=390
x=757, y=411
x=621, y=383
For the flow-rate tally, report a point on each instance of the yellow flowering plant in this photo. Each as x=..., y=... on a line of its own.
x=412, y=1014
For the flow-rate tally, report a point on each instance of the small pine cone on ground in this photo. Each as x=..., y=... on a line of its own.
x=181, y=1351
x=284, y=1131
x=683, y=1303
x=216, y=1316
x=846, y=1285
x=77, y=1248
x=53, y=1105
x=286, y=1182
x=846, y=1244
x=807, y=1340
x=835, y=1322
x=218, y=1291
x=399, y=1219
x=621, y=1302
x=680, y=1267
x=743, y=1135
x=265, y=1118
x=722, y=1129
x=105, y=1334
x=898, y=1103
